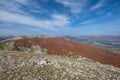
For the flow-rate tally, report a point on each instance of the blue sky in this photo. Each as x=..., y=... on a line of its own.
x=59, y=17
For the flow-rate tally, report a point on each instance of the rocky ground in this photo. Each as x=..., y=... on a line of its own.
x=31, y=66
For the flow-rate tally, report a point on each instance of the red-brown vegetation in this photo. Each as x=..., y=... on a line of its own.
x=61, y=46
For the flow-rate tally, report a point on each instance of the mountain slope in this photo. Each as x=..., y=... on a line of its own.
x=61, y=46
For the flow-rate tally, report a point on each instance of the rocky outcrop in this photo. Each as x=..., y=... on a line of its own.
x=24, y=66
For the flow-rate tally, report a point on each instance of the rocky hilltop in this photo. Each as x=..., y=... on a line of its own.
x=46, y=58
x=28, y=66
x=60, y=46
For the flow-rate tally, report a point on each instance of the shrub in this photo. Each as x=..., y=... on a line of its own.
x=7, y=45
x=33, y=49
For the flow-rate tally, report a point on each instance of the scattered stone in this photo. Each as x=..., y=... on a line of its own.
x=24, y=66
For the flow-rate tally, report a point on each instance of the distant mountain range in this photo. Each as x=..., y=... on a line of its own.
x=94, y=38
x=77, y=38
x=111, y=43
x=5, y=37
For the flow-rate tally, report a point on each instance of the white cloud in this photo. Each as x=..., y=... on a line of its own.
x=76, y=6
x=12, y=6
x=17, y=5
x=60, y=20
x=22, y=1
x=87, y=22
x=98, y=5
x=56, y=20
x=36, y=11
x=13, y=13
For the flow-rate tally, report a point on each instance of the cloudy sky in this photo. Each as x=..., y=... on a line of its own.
x=59, y=17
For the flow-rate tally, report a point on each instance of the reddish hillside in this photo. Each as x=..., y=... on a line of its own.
x=61, y=46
